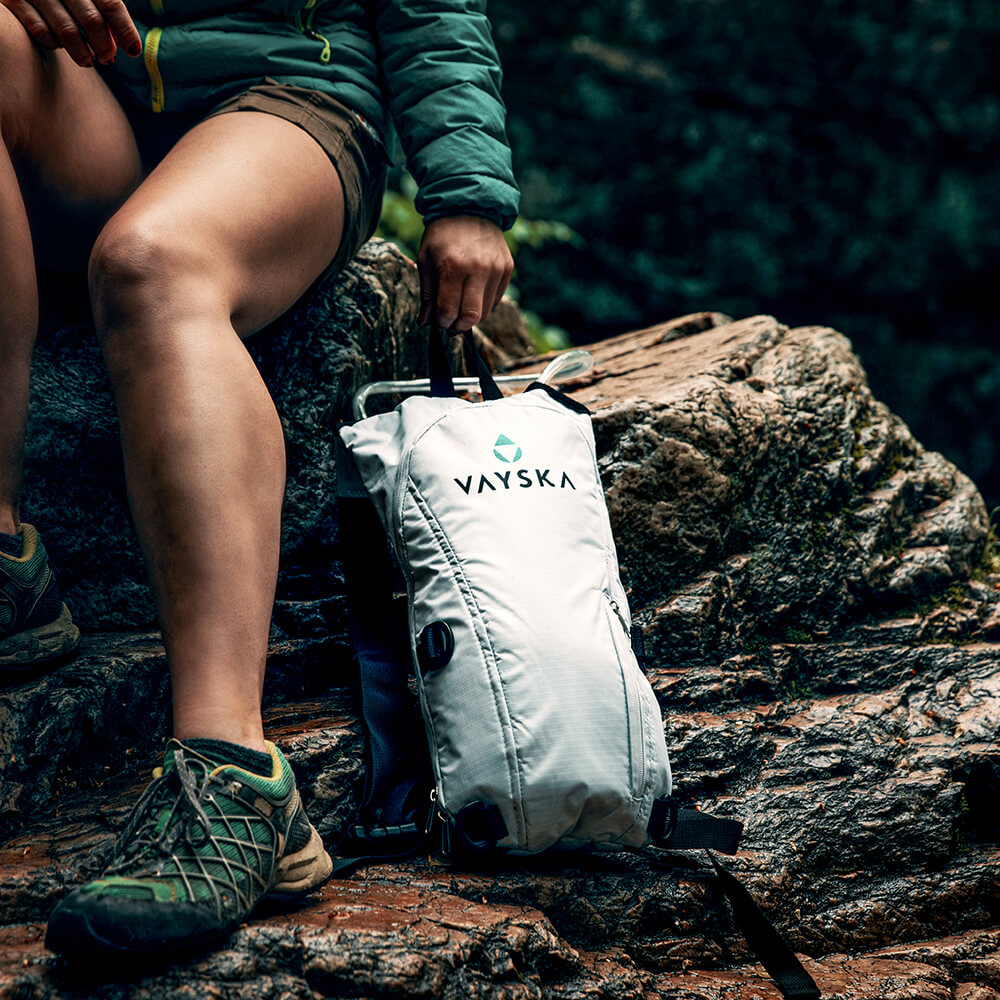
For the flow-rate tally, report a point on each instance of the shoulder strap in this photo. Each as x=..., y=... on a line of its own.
x=397, y=776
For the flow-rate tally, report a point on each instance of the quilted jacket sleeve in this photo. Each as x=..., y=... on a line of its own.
x=442, y=78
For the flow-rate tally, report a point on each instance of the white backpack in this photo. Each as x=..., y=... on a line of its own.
x=543, y=730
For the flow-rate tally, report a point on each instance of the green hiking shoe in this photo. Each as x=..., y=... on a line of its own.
x=35, y=625
x=203, y=845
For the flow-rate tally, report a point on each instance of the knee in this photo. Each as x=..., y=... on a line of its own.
x=149, y=282
x=125, y=263
x=142, y=268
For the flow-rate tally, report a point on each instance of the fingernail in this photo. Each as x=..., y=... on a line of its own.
x=135, y=48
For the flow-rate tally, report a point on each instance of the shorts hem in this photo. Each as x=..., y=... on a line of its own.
x=349, y=146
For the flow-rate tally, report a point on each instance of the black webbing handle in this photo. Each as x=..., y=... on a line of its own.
x=439, y=367
x=676, y=829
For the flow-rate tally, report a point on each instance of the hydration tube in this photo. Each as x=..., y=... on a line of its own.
x=571, y=364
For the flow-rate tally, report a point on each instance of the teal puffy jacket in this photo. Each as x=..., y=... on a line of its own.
x=440, y=78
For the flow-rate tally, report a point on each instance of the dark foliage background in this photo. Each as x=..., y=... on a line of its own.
x=833, y=162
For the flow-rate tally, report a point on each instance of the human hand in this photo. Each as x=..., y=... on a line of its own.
x=464, y=268
x=86, y=29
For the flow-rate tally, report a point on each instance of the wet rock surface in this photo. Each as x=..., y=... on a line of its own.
x=819, y=602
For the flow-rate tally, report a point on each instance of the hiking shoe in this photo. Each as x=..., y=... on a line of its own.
x=35, y=625
x=202, y=846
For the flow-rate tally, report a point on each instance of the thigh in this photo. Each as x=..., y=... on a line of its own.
x=246, y=203
x=70, y=142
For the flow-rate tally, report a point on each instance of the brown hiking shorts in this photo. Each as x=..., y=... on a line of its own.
x=352, y=145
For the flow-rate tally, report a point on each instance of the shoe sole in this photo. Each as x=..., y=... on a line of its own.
x=24, y=650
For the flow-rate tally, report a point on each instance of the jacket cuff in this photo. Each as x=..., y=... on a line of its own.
x=495, y=217
x=473, y=194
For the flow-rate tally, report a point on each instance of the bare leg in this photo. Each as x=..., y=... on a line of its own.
x=220, y=239
x=18, y=320
x=58, y=123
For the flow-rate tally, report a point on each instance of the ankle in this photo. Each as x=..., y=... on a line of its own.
x=215, y=730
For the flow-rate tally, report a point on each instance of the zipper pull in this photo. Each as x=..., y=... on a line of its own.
x=618, y=612
x=310, y=32
x=434, y=805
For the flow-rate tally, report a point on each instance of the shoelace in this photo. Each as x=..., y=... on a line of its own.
x=135, y=840
x=173, y=843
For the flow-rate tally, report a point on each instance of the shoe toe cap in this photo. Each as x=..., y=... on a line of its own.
x=96, y=924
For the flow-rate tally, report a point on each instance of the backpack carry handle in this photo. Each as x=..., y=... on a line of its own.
x=439, y=367
x=571, y=364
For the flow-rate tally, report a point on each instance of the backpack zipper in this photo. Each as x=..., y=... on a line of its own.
x=149, y=58
x=633, y=703
x=618, y=612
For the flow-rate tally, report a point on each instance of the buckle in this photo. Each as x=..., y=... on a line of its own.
x=391, y=838
x=663, y=819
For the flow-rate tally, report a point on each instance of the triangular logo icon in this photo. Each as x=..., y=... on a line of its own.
x=506, y=450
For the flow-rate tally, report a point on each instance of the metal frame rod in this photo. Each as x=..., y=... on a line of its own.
x=571, y=364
